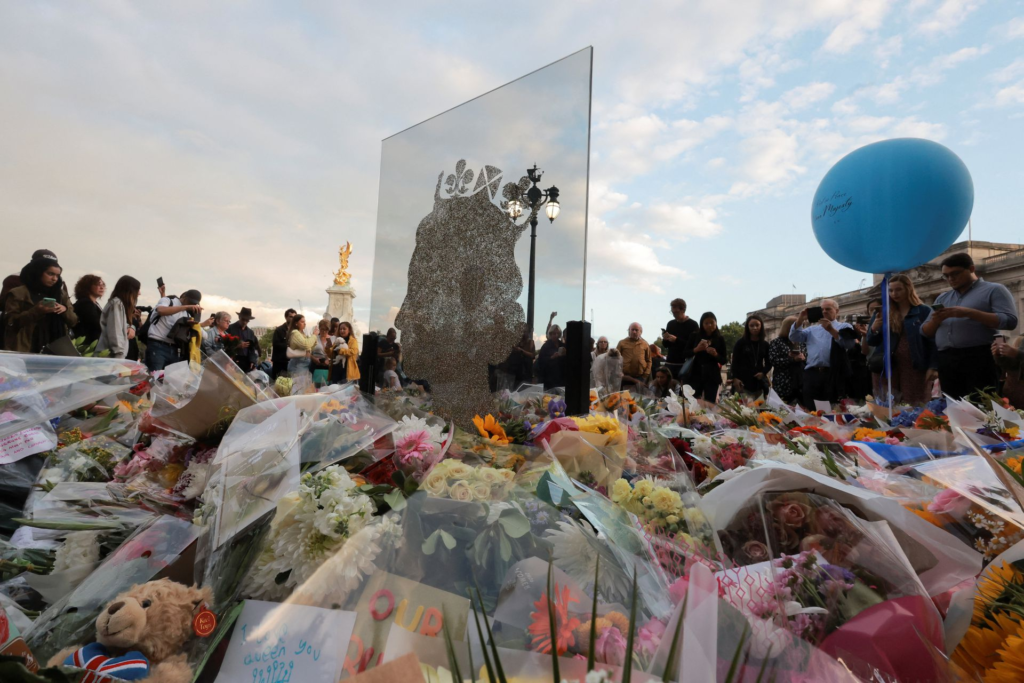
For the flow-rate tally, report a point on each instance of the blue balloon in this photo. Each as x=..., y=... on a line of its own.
x=892, y=205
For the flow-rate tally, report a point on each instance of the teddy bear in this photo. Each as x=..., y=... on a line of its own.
x=141, y=634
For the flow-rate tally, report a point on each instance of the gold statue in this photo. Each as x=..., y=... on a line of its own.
x=342, y=277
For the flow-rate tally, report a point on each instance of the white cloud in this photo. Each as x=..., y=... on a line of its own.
x=1014, y=28
x=1010, y=95
x=888, y=49
x=947, y=16
x=772, y=158
x=849, y=33
x=804, y=96
x=1010, y=72
x=682, y=221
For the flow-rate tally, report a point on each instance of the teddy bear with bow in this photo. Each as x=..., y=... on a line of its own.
x=141, y=634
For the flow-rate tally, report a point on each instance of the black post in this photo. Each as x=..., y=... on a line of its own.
x=577, y=367
x=368, y=364
x=533, y=268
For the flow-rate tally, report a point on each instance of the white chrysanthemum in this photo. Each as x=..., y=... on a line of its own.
x=195, y=476
x=80, y=548
x=575, y=553
x=811, y=460
x=310, y=527
x=703, y=446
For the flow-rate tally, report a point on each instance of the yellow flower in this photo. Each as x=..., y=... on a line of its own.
x=666, y=500
x=436, y=484
x=672, y=519
x=767, y=418
x=599, y=424
x=644, y=488
x=1010, y=669
x=619, y=621
x=490, y=429
x=866, y=434
x=621, y=491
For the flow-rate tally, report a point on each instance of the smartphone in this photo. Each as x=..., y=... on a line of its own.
x=937, y=307
x=50, y=302
x=159, y=282
x=815, y=314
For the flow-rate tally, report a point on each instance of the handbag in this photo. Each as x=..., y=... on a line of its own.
x=61, y=346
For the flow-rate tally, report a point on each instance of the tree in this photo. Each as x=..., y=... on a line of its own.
x=732, y=332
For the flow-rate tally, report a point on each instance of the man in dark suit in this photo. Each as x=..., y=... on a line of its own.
x=248, y=353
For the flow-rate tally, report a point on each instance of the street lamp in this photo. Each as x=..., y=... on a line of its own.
x=534, y=198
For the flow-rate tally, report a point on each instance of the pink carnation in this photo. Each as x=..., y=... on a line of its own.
x=649, y=636
x=677, y=591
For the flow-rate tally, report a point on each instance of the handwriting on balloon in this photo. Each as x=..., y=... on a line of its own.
x=838, y=202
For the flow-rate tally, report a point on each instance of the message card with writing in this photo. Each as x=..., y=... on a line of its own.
x=388, y=599
x=281, y=643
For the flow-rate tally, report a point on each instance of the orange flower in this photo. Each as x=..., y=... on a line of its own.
x=491, y=430
x=540, y=629
x=767, y=418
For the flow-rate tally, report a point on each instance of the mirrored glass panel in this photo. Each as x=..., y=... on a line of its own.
x=461, y=196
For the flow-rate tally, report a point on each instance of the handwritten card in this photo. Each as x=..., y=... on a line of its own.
x=278, y=643
x=14, y=447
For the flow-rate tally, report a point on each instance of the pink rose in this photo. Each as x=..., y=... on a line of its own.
x=610, y=647
x=949, y=502
x=790, y=513
x=650, y=635
x=677, y=591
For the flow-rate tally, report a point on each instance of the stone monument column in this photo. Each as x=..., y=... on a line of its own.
x=341, y=294
x=339, y=303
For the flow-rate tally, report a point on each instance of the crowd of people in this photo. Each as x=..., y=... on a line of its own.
x=953, y=346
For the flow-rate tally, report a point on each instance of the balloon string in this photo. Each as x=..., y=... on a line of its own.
x=886, y=348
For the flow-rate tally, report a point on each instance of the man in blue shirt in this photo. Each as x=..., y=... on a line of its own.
x=827, y=343
x=964, y=323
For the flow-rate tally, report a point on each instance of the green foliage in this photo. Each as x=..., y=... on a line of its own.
x=267, y=343
x=732, y=332
x=89, y=350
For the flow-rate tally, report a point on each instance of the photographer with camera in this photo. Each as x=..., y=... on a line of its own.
x=171, y=328
x=827, y=342
x=914, y=356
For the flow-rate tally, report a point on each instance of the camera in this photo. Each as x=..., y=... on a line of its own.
x=858, y=319
x=144, y=309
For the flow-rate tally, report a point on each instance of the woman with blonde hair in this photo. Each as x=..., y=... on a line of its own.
x=787, y=359
x=300, y=347
x=914, y=357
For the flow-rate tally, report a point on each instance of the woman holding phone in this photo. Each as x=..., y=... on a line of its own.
x=707, y=348
x=39, y=312
x=118, y=320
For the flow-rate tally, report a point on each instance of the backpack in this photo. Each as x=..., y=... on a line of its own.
x=142, y=334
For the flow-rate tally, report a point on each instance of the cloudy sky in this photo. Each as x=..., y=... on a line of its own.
x=233, y=146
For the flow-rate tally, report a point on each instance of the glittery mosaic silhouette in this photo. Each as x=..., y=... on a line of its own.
x=461, y=312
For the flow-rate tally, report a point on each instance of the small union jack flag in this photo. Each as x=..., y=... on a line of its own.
x=95, y=658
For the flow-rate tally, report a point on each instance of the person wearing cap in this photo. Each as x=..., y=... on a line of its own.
x=160, y=349
x=248, y=353
x=39, y=311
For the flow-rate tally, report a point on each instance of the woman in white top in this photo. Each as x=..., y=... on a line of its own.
x=116, y=327
x=300, y=347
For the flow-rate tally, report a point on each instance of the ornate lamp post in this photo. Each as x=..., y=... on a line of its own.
x=534, y=198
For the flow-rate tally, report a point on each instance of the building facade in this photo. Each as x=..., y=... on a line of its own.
x=994, y=261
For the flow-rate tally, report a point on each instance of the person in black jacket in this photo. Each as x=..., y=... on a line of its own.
x=88, y=291
x=707, y=348
x=279, y=354
x=750, y=361
x=676, y=336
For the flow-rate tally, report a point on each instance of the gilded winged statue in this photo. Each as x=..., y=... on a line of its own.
x=342, y=277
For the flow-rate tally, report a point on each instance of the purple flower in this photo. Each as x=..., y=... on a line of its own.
x=556, y=408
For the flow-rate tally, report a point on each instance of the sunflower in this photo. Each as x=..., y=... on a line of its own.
x=991, y=585
x=491, y=430
x=540, y=629
x=767, y=418
x=976, y=652
x=1010, y=667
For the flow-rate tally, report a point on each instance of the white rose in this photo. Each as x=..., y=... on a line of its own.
x=461, y=490
x=436, y=484
x=481, y=490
